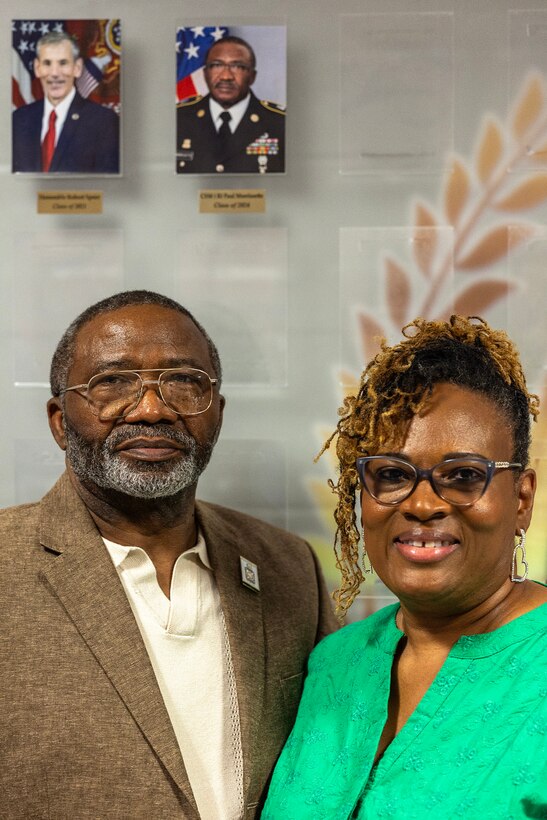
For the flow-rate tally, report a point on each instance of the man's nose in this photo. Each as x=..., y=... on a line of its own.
x=151, y=407
x=227, y=72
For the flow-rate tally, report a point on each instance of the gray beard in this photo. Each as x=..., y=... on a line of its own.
x=103, y=466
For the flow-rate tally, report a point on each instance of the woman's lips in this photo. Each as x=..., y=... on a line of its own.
x=423, y=548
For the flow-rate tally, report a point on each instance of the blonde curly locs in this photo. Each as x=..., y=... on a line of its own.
x=395, y=386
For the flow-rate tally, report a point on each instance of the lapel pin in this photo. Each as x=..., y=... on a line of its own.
x=201, y=113
x=249, y=574
x=75, y=116
x=254, y=118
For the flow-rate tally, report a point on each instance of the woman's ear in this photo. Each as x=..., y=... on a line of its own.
x=526, y=490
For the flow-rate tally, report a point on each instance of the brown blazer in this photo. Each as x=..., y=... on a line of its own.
x=84, y=732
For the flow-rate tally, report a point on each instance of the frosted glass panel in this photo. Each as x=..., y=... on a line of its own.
x=528, y=59
x=60, y=273
x=396, y=101
x=527, y=306
x=383, y=285
x=250, y=475
x=235, y=280
x=38, y=465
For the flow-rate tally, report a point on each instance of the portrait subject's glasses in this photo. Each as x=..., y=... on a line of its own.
x=217, y=66
x=459, y=481
x=113, y=394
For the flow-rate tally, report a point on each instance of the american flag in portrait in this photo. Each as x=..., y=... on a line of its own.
x=192, y=46
x=100, y=45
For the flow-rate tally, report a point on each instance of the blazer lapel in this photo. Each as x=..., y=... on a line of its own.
x=85, y=581
x=242, y=609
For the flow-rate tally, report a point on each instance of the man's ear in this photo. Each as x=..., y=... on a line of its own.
x=222, y=404
x=78, y=67
x=56, y=419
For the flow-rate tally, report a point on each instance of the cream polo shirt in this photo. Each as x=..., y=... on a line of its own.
x=187, y=642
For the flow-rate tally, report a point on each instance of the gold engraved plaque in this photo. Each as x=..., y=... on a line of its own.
x=232, y=201
x=70, y=202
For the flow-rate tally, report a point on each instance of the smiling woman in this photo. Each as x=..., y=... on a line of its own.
x=436, y=443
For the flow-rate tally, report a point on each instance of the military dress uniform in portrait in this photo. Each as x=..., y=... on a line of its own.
x=256, y=146
x=229, y=130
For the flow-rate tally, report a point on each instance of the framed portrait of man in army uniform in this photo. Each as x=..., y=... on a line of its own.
x=231, y=99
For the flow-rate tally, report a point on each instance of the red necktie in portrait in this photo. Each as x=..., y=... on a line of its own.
x=48, y=145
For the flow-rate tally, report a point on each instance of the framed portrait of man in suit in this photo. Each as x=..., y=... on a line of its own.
x=231, y=99
x=66, y=99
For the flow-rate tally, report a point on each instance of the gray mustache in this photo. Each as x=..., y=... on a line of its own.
x=129, y=431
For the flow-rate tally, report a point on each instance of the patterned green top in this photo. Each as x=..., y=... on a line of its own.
x=474, y=748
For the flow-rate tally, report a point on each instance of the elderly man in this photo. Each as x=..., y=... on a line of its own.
x=63, y=132
x=153, y=647
x=230, y=130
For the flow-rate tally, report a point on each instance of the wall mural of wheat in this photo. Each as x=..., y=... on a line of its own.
x=482, y=201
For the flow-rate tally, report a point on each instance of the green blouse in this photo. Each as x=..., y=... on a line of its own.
x=474, y=748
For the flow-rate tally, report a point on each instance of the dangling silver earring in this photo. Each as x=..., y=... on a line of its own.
x=367, y=566
x=520, y=545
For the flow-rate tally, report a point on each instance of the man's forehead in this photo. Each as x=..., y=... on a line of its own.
x=139, y=328
x=221, y=49
x=62, y=49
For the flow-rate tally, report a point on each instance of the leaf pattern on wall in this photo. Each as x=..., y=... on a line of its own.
x=424, y=239
x=528, y=108
x=490, y=151
x=456, y=191
x=494, y=245
x=370, y=332
x=397, y=291
x=481, y=296
x=469, y=202
x=531, y=192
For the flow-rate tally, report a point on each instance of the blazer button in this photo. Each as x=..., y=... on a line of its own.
x=220, y=168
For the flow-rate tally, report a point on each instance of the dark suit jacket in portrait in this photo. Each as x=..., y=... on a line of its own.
x=84, y=730
x=200, y=149
x=88, y=144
